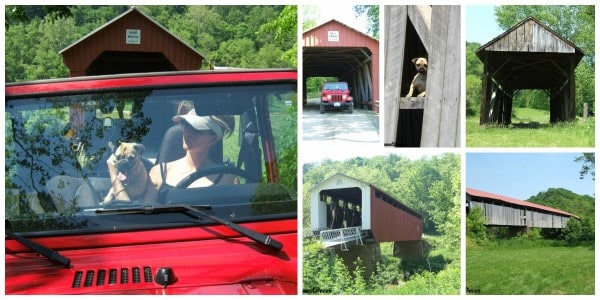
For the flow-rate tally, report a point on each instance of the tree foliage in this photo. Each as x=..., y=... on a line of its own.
x=589, y=165
x=230, y=36
x=563, y=199
x=372, y=13
x=476, y=224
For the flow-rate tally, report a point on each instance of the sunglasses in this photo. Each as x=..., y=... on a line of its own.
x=190, y=128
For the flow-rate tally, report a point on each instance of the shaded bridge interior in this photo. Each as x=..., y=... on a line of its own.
x=343, y=207
x=119, y=62
x=350, y=64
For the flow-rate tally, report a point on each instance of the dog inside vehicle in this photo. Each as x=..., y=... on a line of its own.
x=127, y=159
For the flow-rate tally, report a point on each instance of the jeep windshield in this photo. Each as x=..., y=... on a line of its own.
x=57, y=146
x=335, y=86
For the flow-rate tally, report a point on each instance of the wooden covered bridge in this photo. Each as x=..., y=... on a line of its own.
x=345, y=210
x=504, y=211
x=431, y=31
x=334, y=49
x=132, y=42
x=528, y=56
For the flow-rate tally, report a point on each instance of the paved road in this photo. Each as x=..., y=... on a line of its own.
x=338, y=134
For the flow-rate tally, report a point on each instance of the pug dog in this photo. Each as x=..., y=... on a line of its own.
x=131, y=170
x=419, y=82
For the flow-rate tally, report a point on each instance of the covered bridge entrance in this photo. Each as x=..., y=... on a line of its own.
x=505, y=211
x=130, y=43
x=334, y=49
x=528, y=56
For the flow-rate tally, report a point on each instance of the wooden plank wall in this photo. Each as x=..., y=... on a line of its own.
x=439, y=29
x=441, y=126
x=531, y=37
x=395, y=34
x=500, y=215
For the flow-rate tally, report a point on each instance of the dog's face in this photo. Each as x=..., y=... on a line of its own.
x=420, y=64
x=127, y=157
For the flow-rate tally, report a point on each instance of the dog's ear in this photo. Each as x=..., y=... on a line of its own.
x=139, y=148
x=414, y=60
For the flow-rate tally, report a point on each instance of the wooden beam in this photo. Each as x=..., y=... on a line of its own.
x=412, y=102
x=395, y=35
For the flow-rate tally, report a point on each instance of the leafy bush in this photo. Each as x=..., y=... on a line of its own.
x=476, y=224
x=578, y=231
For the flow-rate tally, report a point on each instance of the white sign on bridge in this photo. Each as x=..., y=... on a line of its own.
x=333, y=36
x=133, y=36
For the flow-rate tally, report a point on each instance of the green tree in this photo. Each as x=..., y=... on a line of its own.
x=372, y=13
x=589, y=165
x=282, y=29
x=476, y=224
x=310, y=15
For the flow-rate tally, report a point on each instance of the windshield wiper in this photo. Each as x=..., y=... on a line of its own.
x=46, y=252
x=253, y=235
x=148, y=209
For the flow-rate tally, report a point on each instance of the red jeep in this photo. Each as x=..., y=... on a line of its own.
x=230, y=239
x=336, y=95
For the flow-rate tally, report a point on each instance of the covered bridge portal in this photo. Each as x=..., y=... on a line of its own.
x=334, y=49
x=344, y=209
x=528, y=56
x=505, y=211
x=130, y=43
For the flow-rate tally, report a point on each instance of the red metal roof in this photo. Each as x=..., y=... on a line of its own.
x=482, y=194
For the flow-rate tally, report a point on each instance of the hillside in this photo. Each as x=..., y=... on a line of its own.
x=563, y=199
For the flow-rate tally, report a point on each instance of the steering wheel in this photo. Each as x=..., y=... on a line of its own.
x=185, y=182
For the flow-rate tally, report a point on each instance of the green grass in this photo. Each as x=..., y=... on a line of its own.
x=530, y=128
x=531, y=271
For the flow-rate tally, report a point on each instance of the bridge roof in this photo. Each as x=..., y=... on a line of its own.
x=508, y=200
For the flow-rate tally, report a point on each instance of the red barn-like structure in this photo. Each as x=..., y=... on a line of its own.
x=347, y=205
x=334, y=49
x=130, y=43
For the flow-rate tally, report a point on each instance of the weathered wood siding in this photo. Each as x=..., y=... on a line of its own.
x=502, y=215
x=395, y=34
x=438, y=28
x=531, y=37
x=441, y=126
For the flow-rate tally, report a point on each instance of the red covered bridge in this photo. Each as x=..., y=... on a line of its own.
x=344, y=209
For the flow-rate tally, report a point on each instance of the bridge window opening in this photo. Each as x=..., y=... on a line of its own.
x=413, y=48
x=410, y=121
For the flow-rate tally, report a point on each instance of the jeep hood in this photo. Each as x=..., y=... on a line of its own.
x=198, y=264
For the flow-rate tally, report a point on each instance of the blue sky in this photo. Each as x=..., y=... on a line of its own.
x=522, y=175
x=329, y=10
x=480, y=23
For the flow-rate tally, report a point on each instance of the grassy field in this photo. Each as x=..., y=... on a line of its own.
x=530, y=128
x=531, y=271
